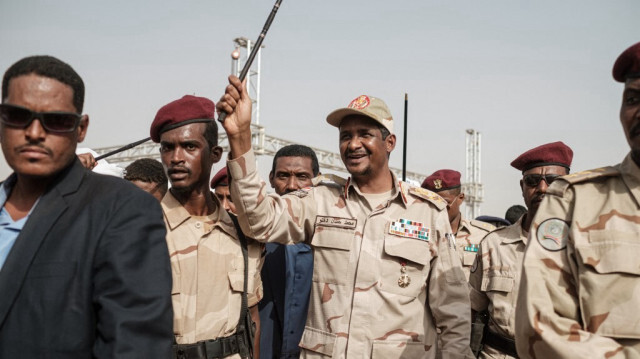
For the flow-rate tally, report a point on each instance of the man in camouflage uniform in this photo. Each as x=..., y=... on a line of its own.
x=206, y=254
x=468, y=232
x=581, y=275
x=386, y=273
x=496, y=273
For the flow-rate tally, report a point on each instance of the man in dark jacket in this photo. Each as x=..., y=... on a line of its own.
x=84, y=266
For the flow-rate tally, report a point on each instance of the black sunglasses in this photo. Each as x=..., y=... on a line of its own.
x=532, y=180
x=60, y=122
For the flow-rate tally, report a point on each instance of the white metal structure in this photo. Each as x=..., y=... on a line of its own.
x=472, y=186
x=241, y=54
x=263, y=144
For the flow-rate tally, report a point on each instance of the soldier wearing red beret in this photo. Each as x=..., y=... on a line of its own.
x=205, y=247
x=468, y=233
x=495, y=275
x=580, y=276
x=220, y=187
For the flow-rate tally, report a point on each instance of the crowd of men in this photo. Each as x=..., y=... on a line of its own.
x=171, y=263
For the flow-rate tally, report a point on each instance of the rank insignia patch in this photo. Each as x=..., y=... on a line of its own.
x=410, y=229
x=471, y=248
x=553, y=234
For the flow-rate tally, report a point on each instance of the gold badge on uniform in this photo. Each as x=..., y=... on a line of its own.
x=404, y=279
x=437, y=183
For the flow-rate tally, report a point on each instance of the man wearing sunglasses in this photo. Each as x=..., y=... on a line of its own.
x=468, y=233
x=580, y=277
x=84, y=267
x=495, y=275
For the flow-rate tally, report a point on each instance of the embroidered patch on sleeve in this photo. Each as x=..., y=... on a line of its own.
x=553, y=234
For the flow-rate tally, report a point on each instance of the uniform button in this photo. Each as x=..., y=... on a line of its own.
x=198, y=225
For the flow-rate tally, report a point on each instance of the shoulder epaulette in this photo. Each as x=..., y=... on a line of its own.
x=495, y=230
x=428, y=195
x=329, y=180
x=564, y=182
x=482, y=225
x=584, y=176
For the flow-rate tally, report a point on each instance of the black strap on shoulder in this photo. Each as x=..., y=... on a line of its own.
x=245, y=325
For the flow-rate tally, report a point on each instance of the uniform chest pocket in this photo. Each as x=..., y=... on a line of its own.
x=412, y=254
x=611, y=252
x=503, y=283
x=331, y=254
x=608, y=283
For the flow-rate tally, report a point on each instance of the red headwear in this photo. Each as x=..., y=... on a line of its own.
x=220, y=179
x=550, y=154
x=442, y=180
x=628, y=64
x=188, y=109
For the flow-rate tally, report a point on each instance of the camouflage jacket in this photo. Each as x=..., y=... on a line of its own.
x=495, y=278
x=581, y=275
x=470, y=233
x=377, y=291
x=208, y=272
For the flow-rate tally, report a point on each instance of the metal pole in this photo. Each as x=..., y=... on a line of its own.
x=404, y=141
x=256, y=48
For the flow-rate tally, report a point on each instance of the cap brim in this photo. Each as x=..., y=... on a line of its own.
x=336, y=117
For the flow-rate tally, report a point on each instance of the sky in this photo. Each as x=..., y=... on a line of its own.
x=522, y=73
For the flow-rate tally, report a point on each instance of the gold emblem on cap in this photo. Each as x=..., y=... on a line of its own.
x=360, y=102
x=437, y=183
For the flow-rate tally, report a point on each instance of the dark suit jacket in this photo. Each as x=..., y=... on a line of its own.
x=89, y=274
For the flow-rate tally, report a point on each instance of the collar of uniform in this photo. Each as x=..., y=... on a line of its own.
x=631, y=177
x=398, y=187
x=516, y=228
x=464, y=225
x=176, y=214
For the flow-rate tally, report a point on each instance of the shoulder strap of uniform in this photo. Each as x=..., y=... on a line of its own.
x=584, y=176
x=429, y=196
x=482, y=225
x=329, y=179
x=245, y=325
x=579, y=177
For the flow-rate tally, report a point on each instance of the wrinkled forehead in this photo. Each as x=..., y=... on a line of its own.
x=355, y=122
x=294, y=163
x=552, y=170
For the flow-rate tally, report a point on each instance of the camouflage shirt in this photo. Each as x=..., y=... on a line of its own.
x=581, y=276
x=377, y=290
x=494, y=280
x=470, y=233
x=208, y=272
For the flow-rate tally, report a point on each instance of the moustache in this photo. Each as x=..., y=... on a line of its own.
x=173, y=170
x=31, y=145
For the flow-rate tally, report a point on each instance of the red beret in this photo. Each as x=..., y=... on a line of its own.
x=188, y=109
x=628, y=64
x=220, y=179
x=551, y=154
x=442, y=180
